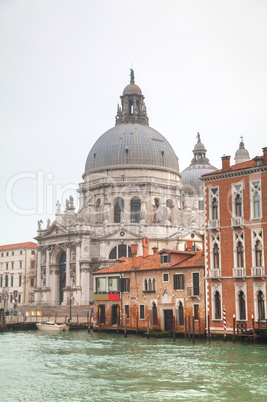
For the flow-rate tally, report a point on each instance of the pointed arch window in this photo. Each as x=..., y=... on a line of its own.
x=258, y=253
x=216, y=256
x=242, y=305
x=240, y=255
x=118, y=209
x=261, y=310
x=145, y=285
x=214, y=208
x=135, y=209
x=154, y=314
x=238, y=206
x=217, y=304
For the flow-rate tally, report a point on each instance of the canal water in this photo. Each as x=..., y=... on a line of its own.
x=82, y=366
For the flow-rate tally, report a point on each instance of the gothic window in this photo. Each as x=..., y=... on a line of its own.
x=257, y=248
x=118, y=209
x=120, y=251
x=261, y=310
x=242, y=305
x=154, y=284
x=217, y=305
x=216, y=256
x=180, y=313
x=214, y=203
x=239, y=251
x=149, y=285
x=145, y=285
x=255, y=199
x=237, y=194
x=240, y=255
x=135, y=209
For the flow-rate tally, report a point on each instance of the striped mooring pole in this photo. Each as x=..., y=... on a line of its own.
x=224, y=323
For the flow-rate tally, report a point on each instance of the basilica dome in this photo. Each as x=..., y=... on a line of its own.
x=199, y=166
x=132, y=144
x=241, y=155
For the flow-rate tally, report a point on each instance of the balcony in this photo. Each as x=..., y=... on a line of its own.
x=237, y=221
x=257, y=272
x=193, y=292
x=215, y=273
x=214, y=224
x=239, y=272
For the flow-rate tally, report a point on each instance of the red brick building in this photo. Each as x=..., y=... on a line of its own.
x=235, y=243
x=160, y=286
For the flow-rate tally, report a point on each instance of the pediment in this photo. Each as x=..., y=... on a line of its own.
x=193, y=235
x=55, y=230
x=122, y=234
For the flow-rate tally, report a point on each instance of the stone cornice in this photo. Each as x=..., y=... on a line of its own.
x=234, y=173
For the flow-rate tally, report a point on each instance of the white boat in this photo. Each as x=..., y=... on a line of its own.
x=52, y=326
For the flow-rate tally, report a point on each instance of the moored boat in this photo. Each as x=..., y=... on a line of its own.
x=51, y=326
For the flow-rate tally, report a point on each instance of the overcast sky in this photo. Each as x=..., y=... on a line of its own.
x=201, y=65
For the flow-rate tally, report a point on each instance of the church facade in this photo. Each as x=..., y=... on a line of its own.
x=131, y=190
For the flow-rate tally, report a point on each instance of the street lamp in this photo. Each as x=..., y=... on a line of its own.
x=70, y=299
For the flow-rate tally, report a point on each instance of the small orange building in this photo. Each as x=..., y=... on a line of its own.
x=153, y=288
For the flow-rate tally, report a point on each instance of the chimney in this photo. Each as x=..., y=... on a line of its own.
x=155, y=250
x=145, y=244
x=264, y=155
x=189, y=245
x=134, y=248
x=226, y=162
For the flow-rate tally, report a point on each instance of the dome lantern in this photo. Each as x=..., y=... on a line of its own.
x=241, y=154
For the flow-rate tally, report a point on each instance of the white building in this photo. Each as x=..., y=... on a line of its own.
x=17, y=274
x=131, y=189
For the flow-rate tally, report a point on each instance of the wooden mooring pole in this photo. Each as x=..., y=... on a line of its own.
x=233, y=328
x=189, y=334
x=125, y=326
x=253, y=327
x=185, y=332
x=208, y=327
x=193, y=324
x=199, y=334
x=99, y=319
x=89, y=321
x=173, y=328
x=147, y=326
x=137, y=320
x=118, y=319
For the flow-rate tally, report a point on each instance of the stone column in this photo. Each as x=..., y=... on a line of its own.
x=77, y=267
x=39, y=279
x=47, y=270
x=68, y=266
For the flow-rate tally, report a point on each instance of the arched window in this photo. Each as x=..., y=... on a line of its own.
x=242, y=305
x=240, y=255
x=145, y=283
x=261, y=310
x=216, y=256
x=258, y=253
x=256, y=205
x=149, y=284
x=154, y=284
x=169, y=203
x=180, y=313
x=156, y=202
x=118, y=209
x=238, y=205
x=120, y=251
x=135, y=209
x=214, y=208
x=217, y=304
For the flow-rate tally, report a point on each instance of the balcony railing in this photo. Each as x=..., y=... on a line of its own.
x=214, y=224
x=215, y=273
x=193, y=292
x=237, y=221
x=257, y=271
x=239, y=272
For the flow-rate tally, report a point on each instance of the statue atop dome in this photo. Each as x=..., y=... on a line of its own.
x=132, y=75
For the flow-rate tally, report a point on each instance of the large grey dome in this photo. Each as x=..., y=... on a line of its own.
x=131, y=146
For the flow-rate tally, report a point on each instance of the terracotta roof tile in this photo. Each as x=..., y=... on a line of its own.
x=197, y=260
x=239, y=166
x=28, y=244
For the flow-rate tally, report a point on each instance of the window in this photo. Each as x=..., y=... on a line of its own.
x=201, y=205
x=120, y=251
x=255, y=199
x=178, y=281
x=118, y=210
x=145, y=285
x=101, y=285
x=113, y=284
x=6, y=281
x=149, y=285
x=242, y=306
x=20, y=252
x=214, y=203
x=257, y=248
x=32, y=264
x=258, y=253
x=1, y=281
x=237, y=197
x=20, y=264
x=239, y=252
x=196, y=284
x=216, y=255
x=215, y=250
x=261, y=311
x=7, y=254
x=6, y=265
x=12, y=265
x=125, y=284
x=11, y=298
x=32, y=282
x=135, y=209
x=169, y=204
x=12, y=252
x=240, y=255
x=165, y=277
x=217, y=305
x=2, y=254
x=19, y=298
x=141, y=311
x=165, y=258
x=196, y=308
x=20, y=280
x=12, y=279
x=32, y=252
x=101, y=315
x=127, y=310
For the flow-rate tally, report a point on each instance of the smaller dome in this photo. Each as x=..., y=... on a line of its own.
x=132, y=89
x=241, y=155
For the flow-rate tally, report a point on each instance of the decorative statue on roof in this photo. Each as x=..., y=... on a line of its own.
x=132, y=74
x=198, y=137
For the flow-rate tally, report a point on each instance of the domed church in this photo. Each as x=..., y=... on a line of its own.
x=131, y=189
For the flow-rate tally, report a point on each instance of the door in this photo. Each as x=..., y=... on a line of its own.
x=168, y=320
x=115, y=314
x=101, y=311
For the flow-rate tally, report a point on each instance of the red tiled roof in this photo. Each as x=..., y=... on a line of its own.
x=28, y=244
x=239, y=166
x=151, y=262
x=168, y=250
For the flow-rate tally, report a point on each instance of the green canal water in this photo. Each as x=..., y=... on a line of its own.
x=82, y=366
